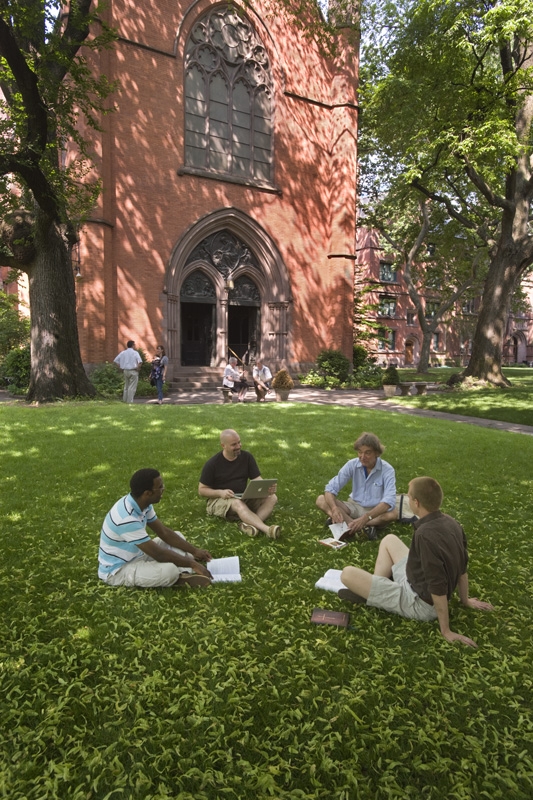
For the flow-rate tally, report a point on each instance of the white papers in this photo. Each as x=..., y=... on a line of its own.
x=337, y=529
x=331, y=581
x=225, y=570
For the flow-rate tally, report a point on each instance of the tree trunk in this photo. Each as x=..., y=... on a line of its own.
x=423, y=361
x=56, y=367
x=487, y=346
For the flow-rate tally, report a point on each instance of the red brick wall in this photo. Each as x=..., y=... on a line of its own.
x=146, y=206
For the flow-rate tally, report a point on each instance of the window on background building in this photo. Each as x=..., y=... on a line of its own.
x=387, y=340
x=431, y=309
x=435, y=341
x=469, y=306
x=387, y=273
x=411, y=318
x=387, y=307
x=228, y=99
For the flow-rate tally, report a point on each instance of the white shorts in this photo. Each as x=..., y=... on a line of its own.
x=147, y=573
x=398, y=597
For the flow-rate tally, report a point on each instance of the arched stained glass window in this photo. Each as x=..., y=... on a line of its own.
x=228, y=98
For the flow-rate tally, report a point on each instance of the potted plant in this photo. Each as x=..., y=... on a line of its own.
x=282, y=384
x=390, y=381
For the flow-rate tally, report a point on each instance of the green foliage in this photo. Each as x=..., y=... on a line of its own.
x=230, y=692
x=146, y=366
x=390, y=376
x=333, y=364
x=14, y=328
x=282, y=380
x=15, y=368
x=360, y=356
x=107, y=380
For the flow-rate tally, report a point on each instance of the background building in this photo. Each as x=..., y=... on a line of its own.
x=227, y=216
x=399, y=335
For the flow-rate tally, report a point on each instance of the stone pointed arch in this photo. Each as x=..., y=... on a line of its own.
x=257, y=258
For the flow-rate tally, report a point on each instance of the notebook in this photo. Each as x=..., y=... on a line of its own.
x=257, y=488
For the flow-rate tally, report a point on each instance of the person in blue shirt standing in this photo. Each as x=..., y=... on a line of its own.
x=372, y=500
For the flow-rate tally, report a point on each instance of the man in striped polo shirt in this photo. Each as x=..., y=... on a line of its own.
x=128, y=556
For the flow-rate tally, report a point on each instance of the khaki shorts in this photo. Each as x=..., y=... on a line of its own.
x=398, y=597
x=218, y=507
x=147, y=573
x=355, y=509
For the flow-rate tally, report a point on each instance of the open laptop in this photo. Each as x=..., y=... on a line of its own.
x=257, y=489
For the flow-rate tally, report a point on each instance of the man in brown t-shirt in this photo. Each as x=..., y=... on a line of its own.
x=418, y=581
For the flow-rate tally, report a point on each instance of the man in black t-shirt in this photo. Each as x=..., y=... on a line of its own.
x=418, y=581
x=226, y=475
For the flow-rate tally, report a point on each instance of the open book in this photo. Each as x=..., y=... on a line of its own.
x=336, y=541
x=331, y=581
x=225, y=570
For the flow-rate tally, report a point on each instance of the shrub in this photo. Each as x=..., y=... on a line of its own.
x=360, y=356
x=369, y=376
x=16, y=368
x=390, y=376
x=313, y=378
x=282, y=380
x=107, y=380
x=333, y=364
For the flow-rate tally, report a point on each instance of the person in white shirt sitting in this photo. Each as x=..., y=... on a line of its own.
x=262, y=377
x=234, y=379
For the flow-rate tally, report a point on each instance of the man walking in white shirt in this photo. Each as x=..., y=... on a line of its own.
x=130, y=363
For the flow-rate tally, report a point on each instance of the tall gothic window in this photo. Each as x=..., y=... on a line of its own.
x=228, y=99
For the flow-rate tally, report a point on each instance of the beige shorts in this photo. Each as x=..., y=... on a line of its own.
x=398, y=597
x=355, y=509
x=147, y=573
x=218, y=507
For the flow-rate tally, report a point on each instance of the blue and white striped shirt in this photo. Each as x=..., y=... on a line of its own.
x=123, y=529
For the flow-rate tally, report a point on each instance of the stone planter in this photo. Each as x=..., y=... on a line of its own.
x=282, y=394
x=389, y=389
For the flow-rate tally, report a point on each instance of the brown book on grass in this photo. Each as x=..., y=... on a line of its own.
x=323, y=616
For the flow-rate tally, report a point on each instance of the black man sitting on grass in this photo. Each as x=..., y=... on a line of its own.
x=129, y=557
x=418, y=581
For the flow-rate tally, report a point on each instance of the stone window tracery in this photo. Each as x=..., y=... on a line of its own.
x=228, y=98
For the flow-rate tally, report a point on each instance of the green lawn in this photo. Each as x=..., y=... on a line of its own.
x=513, y=404
x=230, y=692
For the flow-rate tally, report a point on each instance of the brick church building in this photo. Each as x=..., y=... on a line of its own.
x=228, y=168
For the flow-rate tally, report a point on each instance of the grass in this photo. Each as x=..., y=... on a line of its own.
x=512, y=404
x=230, y=692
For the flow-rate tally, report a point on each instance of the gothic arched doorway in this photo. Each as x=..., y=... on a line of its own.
x=227, y=287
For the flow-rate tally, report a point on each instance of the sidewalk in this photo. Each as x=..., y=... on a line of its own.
x=352, y=398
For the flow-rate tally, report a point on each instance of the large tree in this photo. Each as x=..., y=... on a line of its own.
x=448, y=109
x=437, y=259
x=47, y=86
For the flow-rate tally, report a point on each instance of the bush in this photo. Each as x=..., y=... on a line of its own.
x=16, y=368
x=360, y=356
x=282, y=380
x=14, y=328
x=107, y=380
x=334, y=364
x=313, y=378
x=369, y=376
x=390, y=377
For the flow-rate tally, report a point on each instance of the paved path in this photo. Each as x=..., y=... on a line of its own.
x=356, y=398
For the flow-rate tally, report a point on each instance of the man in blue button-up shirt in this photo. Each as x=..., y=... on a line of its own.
x=372, y=500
